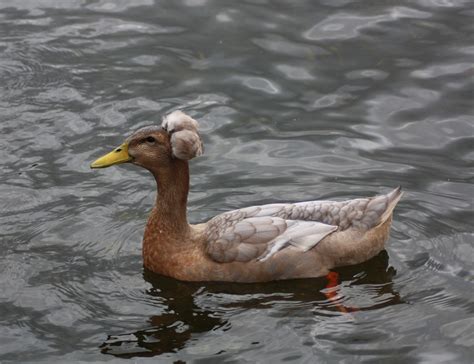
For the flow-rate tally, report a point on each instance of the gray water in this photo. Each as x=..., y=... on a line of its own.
x=296, y=101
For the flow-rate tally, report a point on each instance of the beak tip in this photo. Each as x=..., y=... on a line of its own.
x=95, y=165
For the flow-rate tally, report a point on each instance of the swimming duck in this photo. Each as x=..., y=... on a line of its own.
x=252, y=244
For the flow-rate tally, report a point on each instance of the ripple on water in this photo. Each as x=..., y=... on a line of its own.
x=460, y=331
x=294, y=72
x=16, y=198
x=434, y=71
x=27, y=73
x=347, y=26
x=117, y=6
x=260, y=84
x=108, y=26
x=373, y=74
x=280, y=45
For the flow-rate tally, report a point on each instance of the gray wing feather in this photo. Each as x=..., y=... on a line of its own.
x=260, y=237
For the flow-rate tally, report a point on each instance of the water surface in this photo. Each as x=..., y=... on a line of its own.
x=296, y=101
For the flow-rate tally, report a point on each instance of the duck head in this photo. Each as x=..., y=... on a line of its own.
x=155, y=147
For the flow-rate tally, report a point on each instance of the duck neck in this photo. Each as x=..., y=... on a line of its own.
x=169, y=213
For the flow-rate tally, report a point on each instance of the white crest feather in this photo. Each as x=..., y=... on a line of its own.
x=178, y=120
x=185, y=140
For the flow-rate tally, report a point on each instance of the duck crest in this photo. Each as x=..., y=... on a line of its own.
x=184, y=137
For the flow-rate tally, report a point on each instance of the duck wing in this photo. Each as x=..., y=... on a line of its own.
x=233, y=237
x=259, y=232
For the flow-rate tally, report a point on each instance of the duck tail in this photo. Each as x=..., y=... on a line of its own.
x=376, y=210
x=392, y=199
x=379, y=208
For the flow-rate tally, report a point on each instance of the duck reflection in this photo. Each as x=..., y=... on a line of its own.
x=190, y=313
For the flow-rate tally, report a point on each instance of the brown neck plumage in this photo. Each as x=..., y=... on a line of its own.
x=169, y=213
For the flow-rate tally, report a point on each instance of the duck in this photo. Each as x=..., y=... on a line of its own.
x=277, y=241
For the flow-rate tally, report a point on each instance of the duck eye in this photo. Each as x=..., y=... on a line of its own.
x=150, y=139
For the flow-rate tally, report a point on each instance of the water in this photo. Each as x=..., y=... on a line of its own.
x=297, y=101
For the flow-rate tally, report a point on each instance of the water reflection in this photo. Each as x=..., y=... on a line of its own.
x=196, y=308
x=170, y=331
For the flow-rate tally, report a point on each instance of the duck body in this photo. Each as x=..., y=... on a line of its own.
x=253, y=244
x=187, y=256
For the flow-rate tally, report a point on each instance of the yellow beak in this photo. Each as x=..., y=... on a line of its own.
x=117, y=156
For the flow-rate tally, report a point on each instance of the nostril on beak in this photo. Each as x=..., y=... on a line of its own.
x=118, y=150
